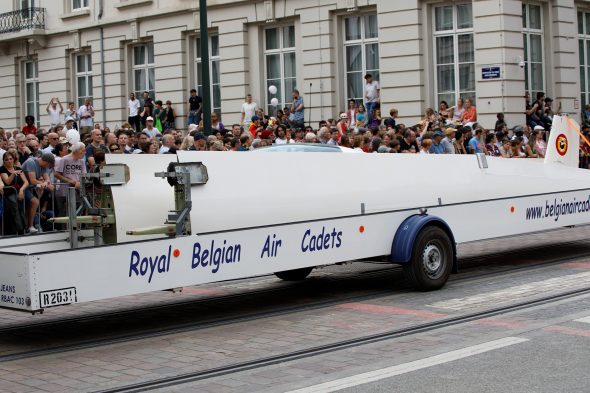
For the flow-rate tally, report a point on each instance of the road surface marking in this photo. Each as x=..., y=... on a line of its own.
x=400, y=369
x=377, y=309
x=500, y=323
x=569, y=282
x=568, y=331
x=577, y=265
x=583, y=320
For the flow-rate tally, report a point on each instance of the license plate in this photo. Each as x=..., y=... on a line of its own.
x=57, y=297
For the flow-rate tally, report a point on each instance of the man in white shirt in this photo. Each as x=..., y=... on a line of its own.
x=53, y=112
x=133, y=104
x=86, y=113
x=248, y=110
x=372, y=97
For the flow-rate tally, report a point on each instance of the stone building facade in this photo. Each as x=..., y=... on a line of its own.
x=421, y=51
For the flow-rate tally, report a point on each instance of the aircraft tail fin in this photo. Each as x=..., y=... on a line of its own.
x=564, y=142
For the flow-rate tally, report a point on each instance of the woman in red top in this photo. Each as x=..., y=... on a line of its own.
x=470, y=114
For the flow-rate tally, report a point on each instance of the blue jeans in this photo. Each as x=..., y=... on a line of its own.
x=194, y=117
x=370, y=107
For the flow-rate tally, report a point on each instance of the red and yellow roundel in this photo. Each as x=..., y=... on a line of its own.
x=561, y=144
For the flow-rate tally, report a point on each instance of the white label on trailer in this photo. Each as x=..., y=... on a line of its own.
x=57, y=297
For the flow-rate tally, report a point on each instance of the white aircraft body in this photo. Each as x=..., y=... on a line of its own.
x=286, y=213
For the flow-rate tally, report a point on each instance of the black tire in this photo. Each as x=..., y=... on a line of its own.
x=432, y=260
x=294, y=275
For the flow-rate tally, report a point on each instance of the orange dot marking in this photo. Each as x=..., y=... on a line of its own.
x=176, y=253
x=512, y=209
x=361, y=229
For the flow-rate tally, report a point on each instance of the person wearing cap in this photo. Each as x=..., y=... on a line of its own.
x=192, y=129
x=72, y=135
x=437, y=147
x=29, y=127
x=68, y=171
x=523, y=133
x=37, y=171
x=342, y=124
x=73, y=113
x=447, y=141
x=149, y=129
x=538, y=142
x=255, y=126
x=200, y=142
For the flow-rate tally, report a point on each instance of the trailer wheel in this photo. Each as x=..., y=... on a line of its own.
x=294, y=275
x=432, y=260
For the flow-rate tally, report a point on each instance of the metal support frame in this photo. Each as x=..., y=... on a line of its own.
x=183, y=202
x=72, y=214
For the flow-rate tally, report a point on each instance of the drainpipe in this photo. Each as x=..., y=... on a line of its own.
x=103, y=89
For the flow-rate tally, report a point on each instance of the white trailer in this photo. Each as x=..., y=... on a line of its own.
x=237, y=215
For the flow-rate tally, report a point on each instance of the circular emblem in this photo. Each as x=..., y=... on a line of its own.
x=561, y=144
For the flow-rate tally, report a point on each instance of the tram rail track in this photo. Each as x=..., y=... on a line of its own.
x=216, y=322
x=196, y=376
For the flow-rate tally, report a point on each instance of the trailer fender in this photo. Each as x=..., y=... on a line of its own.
x=405, y=236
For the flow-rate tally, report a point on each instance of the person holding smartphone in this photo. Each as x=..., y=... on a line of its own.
x=297, y=116
x=86, y=113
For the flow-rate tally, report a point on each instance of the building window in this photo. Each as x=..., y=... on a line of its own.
x=83, y=78
x=214, y=79
x=361, y=53
x=144, y=76
x=534, y=72
x=584, y=53
x=31, y=80
x=27, y=9
x=79, y=4
x=454, y=54
x=280, y=65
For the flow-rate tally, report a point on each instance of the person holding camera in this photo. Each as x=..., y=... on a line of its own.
x=53, y=113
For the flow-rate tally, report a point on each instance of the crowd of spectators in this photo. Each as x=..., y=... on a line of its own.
x=40, y=164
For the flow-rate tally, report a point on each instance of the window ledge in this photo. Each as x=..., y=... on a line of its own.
x=131, y=3
x=75, y=14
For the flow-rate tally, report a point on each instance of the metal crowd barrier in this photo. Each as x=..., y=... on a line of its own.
x=41, y=221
